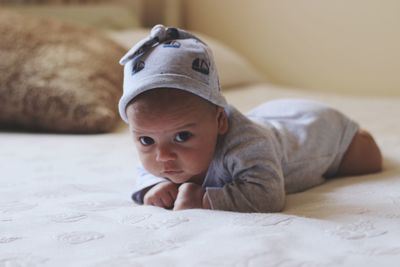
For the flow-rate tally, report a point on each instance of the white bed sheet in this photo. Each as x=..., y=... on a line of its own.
x=65, y=201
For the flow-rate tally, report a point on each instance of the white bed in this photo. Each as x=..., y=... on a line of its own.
x=65, y=201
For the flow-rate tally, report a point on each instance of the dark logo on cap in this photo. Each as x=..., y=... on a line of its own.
x=172, y=44
x=200, y=65
x=137, y=66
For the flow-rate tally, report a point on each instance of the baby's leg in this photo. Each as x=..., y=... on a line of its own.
x=362, y=156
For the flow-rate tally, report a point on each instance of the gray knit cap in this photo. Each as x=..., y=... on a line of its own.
x=170, y=58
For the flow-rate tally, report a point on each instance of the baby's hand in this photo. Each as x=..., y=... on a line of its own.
x=162, y=195
x=190, y=196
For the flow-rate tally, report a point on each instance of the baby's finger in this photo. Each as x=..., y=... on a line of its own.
x=167, y=200
x=149, y=200
x=153, y=201
x=178, y=205
x=173, y=194
x=157, y=202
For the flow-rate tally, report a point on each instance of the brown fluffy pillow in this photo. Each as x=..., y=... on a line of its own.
x=57, y=77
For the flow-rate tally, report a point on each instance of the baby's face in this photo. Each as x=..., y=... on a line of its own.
x=176, y=135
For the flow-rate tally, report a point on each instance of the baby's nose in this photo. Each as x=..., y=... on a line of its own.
x=165, y=153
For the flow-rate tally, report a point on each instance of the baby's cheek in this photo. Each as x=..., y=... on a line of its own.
x=199, y=161
x=148, y=161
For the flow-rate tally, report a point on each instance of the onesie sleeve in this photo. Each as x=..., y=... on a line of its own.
x=257, y=183
x=143, y=181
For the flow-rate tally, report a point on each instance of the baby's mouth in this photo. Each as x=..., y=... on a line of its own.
x=172, y=171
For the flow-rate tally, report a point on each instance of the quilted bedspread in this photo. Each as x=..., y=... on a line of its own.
x=65, y=201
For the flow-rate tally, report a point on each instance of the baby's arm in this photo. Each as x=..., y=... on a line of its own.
x=161, y=195
x=160, y=192
x=254, y=194
x=249, y=194
x=191, y=196
x=257, y=182
x=170, y=195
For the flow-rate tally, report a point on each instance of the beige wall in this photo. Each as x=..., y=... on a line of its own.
x=348, y=46
x=154, y=12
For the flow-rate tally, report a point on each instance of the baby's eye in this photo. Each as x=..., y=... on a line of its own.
x=183, y=137
x=146, y=141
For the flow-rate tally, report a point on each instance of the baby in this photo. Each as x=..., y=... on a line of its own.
x=197, y=151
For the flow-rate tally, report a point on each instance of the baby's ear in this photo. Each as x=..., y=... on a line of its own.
x=222, y=120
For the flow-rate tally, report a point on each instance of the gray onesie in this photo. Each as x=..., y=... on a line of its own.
x=281, y=147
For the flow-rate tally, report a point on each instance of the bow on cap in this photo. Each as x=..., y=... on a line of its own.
x=159, y=34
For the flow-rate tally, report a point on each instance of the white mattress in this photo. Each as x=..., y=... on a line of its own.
x=65, y=201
